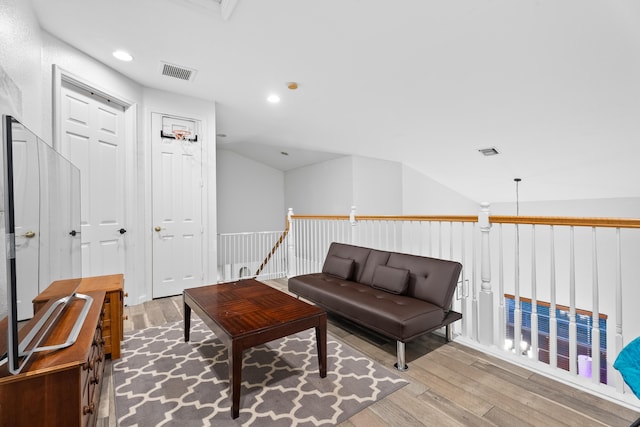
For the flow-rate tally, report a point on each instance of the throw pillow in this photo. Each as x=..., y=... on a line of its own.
x=339, y=267
x=390, y=279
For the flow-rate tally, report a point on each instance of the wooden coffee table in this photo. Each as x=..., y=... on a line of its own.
x=246, y=313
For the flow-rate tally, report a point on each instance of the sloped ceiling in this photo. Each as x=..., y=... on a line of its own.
x=553, y=85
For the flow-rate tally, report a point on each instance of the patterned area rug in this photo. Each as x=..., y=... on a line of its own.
x=163, y=381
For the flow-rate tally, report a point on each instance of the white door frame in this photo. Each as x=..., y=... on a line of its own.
x=134, y=223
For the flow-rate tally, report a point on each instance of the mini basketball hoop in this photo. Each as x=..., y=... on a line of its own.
x=180, y=134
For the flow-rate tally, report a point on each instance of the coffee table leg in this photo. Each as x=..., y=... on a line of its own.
x=235, y=373
x=187, y=321
x=321, y=344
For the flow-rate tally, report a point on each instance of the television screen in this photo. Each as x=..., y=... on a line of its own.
x=41, y=221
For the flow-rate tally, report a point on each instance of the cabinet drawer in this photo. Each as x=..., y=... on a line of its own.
x=92, y=379
x=107, y=306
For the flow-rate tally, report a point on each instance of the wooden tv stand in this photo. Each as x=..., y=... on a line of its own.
x=59, y=387
x=113, y=285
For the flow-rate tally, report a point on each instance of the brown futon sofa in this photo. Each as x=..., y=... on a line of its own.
x=398, y=295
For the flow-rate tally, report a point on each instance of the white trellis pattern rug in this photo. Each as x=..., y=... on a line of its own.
x=163, y=381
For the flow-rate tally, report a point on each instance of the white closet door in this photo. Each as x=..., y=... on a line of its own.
x=177, y=207
x=93, y=139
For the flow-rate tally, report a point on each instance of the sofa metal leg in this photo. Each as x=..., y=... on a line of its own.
x=449, y=332
x=400, y=364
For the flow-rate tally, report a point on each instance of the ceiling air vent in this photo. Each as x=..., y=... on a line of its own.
x=492, y=151
x=177, y=71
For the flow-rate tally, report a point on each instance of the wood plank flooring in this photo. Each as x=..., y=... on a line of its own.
x=450, y=384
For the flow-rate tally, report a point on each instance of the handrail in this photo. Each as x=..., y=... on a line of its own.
x=273, y=249
x=504, y=219
x=445, y=218
x=567, y=221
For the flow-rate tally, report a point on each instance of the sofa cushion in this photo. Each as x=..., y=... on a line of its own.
x=339, y=267
x=357, y=253
x=396, y=316
x=390, y=279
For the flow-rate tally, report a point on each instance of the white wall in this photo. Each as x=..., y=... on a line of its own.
x=20, y=45
x=324, y=188
x=250, y=195
x=603, y=208
x=377, y=186
x=424, y=196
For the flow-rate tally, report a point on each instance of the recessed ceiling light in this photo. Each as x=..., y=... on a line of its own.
x=273, y=98
x=122, y=55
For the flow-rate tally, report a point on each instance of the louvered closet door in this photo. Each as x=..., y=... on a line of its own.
x=177, y=207
x=93, y=139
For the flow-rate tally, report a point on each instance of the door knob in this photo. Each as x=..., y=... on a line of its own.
x=29, y=234
x=158, y=228
x=122, y=231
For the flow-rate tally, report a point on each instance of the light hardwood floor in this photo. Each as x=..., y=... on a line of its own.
x=450, y=384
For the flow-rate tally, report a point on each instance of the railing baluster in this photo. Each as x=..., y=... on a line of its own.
x=573, y=332
x=534, y=299
x=439, y=239
x=502, y=315
x=463, y=298
x=474, y=295
x=450, y=240
x=553, y=320
x=517, y=314
x=595, y=312
x=619, y=337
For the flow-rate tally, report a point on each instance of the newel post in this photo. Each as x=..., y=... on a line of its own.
x=485, y=315
x=354, y=223
x=291, y=249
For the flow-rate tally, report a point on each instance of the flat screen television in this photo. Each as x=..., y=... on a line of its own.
x=41, y=226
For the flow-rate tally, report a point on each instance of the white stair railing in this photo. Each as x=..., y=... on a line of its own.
x=243, y=255
x=545, y=263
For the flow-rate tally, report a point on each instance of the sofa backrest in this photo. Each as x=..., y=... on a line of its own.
x=356, y=253
x=430, y=279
